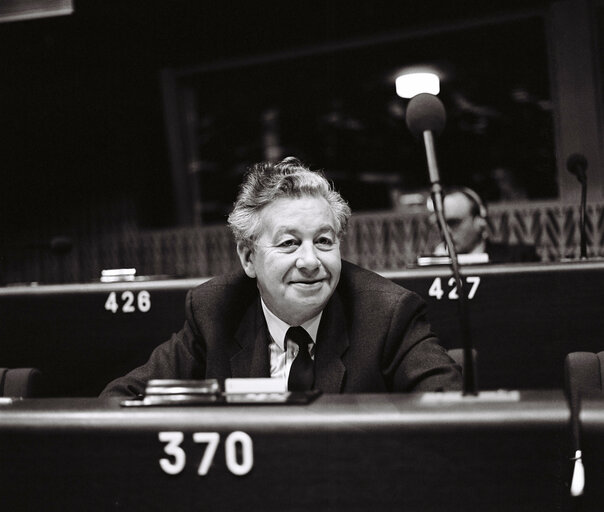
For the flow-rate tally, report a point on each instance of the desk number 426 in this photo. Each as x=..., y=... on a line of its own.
x=436, y=288
x=238, y=452
x=128, y=302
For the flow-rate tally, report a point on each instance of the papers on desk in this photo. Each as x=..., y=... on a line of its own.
x=500, y=395
x=463, y=259
x=238, y=386
x=171, y=392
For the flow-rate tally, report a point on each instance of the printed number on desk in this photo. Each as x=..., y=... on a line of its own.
x=129, y=302
x=436, y=288
x=238, y=452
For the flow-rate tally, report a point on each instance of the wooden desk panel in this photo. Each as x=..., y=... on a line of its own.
x=352, y=453
x=524, y=319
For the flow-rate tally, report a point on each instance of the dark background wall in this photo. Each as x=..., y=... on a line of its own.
x=84, y=139
x=80, y=95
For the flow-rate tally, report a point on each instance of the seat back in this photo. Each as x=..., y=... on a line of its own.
x=583, y=372
x=3, y=372
x=457, y=355
x=21, y=382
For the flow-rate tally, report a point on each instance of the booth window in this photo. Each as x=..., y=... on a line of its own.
x=336, y=108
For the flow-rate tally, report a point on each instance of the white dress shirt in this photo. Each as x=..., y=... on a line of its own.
x=282, y=356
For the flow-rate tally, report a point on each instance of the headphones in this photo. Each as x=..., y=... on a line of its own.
x=479, y=207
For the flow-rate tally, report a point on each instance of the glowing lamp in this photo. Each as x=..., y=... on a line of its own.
x=412, y=84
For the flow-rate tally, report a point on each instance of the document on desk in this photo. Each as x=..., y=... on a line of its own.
x=159, y=392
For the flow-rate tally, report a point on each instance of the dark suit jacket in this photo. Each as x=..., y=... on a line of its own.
x=373, y=337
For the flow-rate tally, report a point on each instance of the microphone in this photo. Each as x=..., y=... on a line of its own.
x=425, y=112
x=577, y=165
x=425, y=118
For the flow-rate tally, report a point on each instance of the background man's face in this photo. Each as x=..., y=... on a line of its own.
x=296, y=258
x=466, y=229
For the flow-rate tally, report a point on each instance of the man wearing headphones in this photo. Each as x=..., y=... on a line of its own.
x=466, y=216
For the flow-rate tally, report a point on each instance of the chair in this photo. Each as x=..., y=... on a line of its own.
x=21, y=382
x=457, y=355
x=583, y=372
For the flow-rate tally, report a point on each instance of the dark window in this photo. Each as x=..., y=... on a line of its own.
x=338, y=110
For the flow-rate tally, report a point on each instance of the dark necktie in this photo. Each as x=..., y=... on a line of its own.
x=302, y=371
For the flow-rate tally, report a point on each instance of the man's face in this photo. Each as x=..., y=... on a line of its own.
x=466, y=229
x=296, y=257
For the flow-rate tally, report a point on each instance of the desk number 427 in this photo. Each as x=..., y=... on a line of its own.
x=436, y=288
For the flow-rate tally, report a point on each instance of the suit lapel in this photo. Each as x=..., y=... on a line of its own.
x=249, y=354
x=332, y=342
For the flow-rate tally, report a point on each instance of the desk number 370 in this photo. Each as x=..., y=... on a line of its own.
x=238, y=452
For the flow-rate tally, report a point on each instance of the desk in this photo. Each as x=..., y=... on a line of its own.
x=524, y=319
x=352, y=453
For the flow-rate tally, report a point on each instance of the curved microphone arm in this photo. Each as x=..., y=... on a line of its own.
x=577, y=165
x=469, y=374
x=425, y=117
x=583, y=215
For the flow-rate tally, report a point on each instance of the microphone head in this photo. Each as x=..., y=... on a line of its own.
x=577, y=165
x=576, y=162
x=425, y=112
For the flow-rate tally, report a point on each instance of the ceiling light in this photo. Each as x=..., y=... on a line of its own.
x=412, y=84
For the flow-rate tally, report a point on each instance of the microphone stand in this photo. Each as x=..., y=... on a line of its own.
x=583, y=214
x=577, y=165
x=469, y=376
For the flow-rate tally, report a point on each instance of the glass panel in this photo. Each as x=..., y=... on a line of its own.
x=339, y=111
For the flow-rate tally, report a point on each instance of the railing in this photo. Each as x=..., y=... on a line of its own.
x=379, y=241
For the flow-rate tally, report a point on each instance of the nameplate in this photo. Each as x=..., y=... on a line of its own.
x=501, y=395
x=256, y=385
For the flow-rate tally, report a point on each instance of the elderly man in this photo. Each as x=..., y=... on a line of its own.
x=297, y=312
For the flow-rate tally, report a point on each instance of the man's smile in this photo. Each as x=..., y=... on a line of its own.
x=308, y=284
x=308, y=281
